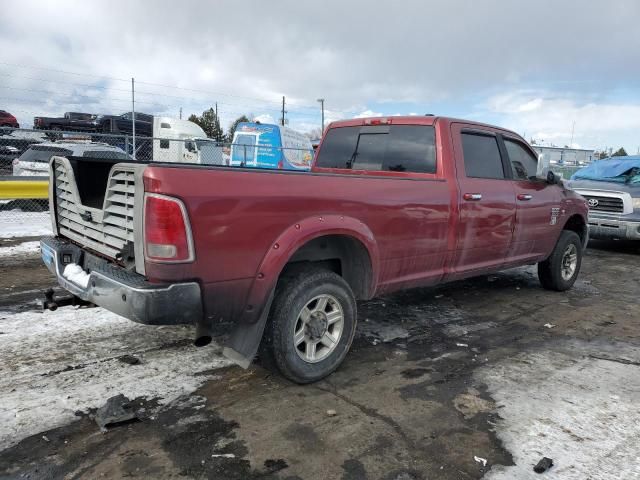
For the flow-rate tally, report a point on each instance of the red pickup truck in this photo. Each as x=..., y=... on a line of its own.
x=390, y=203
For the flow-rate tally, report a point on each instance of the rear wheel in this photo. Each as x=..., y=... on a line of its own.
x=560, y=271
x=311, y=325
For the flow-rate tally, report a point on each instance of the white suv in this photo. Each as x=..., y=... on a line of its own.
x=34, y=162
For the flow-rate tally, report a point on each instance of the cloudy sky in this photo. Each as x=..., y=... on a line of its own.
x=536, y=67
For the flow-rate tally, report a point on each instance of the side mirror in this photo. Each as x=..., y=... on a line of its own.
x=544, y=171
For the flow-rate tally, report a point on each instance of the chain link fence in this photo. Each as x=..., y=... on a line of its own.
x=25, y=154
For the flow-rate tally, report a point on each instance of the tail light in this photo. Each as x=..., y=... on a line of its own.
x=167, y=233
x=377, y=121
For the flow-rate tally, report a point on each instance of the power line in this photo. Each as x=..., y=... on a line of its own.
x=145, y=83
x=126, y=100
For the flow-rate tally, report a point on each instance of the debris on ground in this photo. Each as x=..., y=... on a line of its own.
x=273, y=466
x=549, y=325
x=481, y=460
x=332, y=413
x=543, y=465
x=462, y=344
x=469, y=404
x=130, y=359
x=223, y=455
x=117, y=410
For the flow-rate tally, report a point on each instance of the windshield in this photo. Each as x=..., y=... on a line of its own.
x=624, y=170
x=42, y=154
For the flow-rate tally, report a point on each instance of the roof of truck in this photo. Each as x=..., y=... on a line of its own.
x=410, y=120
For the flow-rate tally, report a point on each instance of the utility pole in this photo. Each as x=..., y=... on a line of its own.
x=283, y=110
x=572, y=129
x=133, y=115
x=321, y=100
x=180, y=113
x=216, y=109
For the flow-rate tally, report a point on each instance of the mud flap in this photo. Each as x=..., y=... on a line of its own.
x=245, y=338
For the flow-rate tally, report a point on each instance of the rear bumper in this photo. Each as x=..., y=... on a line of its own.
x=123, y=292
x=611, y=227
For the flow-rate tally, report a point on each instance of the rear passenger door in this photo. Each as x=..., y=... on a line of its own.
x=406, y=188
x=486, y=201
x=535, y=200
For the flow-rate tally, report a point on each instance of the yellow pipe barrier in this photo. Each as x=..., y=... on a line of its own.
x=23, y=188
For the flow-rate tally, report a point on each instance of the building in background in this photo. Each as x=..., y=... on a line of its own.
x=566, y=156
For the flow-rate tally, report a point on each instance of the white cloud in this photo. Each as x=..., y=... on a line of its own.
x=550, y=117
x=265, y=118
x=369, y=113
x=491, y=46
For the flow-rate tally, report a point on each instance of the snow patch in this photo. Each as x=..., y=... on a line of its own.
x=24, y=224
x=55, y=363
x=75, y=274
x=22, y=249
x=567, y=405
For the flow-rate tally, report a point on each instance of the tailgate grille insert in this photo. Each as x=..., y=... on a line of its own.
x=107, y=230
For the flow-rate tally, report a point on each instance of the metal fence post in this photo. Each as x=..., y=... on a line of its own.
x=133, y=116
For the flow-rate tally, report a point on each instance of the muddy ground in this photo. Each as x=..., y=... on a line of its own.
x=438, y=381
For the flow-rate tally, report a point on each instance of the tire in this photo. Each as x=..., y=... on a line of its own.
x=560, y=271
x=309, y=288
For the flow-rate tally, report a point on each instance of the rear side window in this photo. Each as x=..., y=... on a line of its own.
x=396, y=148
x=43, y=154
x=481, y=156
x=523, y=164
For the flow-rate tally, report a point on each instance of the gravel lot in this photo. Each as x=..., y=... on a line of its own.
x=439, y=381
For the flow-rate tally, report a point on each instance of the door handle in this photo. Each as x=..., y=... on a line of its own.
x=524, y=196
x=472, y=197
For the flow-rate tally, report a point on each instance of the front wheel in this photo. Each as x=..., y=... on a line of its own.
x=560, y=271
x=311, y=325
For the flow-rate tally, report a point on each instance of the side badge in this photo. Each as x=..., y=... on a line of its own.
x=555, y=212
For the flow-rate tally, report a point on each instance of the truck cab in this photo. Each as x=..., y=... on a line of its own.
x=183, y=141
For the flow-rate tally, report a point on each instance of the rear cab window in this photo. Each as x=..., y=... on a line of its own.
x=43, y=154
x=395, y=149
x=114, y=154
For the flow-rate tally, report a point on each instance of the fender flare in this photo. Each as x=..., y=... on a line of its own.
x=247, y=333
x=297, y=235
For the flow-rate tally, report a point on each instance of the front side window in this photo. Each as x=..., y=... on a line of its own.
x=482, y=156
x=523, y=164
x=395, y=148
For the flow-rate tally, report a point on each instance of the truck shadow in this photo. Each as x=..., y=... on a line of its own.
x=619, y=246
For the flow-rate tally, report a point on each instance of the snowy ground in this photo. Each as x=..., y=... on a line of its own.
x=15, y=223
x=55, y=363
x=493, y=368
x=21, y=249
x=578, y=404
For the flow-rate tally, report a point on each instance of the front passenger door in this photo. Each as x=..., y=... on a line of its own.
x=537, y=203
